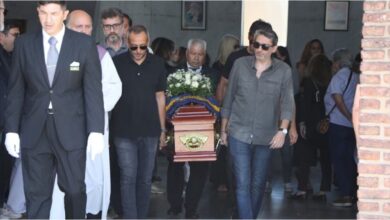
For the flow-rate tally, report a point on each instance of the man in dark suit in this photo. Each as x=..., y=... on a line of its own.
x=195, y=54
x=54, y=101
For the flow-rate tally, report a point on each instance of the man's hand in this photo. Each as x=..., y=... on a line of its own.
x=224, y=139
x=95, y=144
x=12, y=143
x=293, y=134
x=163, y=140
x=278, y=140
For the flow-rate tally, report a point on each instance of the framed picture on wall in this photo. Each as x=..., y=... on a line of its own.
x=336, y=15
x=193, y=15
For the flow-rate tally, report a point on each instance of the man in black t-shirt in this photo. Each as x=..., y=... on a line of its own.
x=138, y=121
x=246, y=51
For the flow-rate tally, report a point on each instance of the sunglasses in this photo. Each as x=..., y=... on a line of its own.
x=257, y=45
x=142, y=47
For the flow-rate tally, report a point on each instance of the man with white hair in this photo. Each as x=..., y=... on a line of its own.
x=195, y=54
x=97, y=176
x=342, y=143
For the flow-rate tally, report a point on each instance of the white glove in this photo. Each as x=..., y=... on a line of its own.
x=95, y=144
x=12, y=143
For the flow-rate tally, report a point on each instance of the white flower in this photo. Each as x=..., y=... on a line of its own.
x=196, y=77
x=171, y=85
x=195, y=84
x=178, y=85
x=178, y=76
x=187, y=82
x=204, y=86
x=187, y=76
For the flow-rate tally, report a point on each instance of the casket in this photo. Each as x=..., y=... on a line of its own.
x=194, y=134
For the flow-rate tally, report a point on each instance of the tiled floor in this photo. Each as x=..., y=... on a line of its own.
x=215, y=205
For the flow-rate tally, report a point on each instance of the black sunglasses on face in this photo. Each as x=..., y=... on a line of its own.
x=257, y=45
x=143, y=47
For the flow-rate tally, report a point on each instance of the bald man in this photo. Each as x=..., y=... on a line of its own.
x=97, y=176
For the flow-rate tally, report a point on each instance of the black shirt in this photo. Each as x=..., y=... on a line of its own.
x=233, y=57
x=136, y=113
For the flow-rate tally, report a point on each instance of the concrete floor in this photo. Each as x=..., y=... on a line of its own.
x=276, y=205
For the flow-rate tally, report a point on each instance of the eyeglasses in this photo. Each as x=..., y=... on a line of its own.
x=257, y=45
x=142, y=47
x=108, y=27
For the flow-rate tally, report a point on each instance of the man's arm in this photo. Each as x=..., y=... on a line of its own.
x=15, y=91
x=339, y=100
x=93, y=92
x=160, y=98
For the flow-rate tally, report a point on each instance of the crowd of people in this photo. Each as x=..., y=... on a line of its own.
x=82, y=123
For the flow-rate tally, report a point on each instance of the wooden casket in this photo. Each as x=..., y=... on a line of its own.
x=194, y=134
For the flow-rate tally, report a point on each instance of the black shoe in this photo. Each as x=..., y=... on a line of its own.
x=298, y=196
x=156, y=179
x=173, y=211
x=192, y=216
x=319, y=197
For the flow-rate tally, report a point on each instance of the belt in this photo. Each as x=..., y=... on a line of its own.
x=50, y=111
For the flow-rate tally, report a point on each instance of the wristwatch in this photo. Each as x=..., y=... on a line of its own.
x=283, y=130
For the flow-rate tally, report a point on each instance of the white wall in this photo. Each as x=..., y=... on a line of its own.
x=162, y=18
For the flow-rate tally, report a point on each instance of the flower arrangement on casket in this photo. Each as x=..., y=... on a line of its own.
x=185, y=88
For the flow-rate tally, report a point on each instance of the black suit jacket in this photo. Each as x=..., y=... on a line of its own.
x=76, y=94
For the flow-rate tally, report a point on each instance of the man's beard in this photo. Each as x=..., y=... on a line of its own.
x=113, y=39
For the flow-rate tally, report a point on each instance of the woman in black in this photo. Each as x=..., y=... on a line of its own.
x=311, y=111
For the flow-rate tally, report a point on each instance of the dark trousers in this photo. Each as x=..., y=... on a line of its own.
x=40, y=165
x=136, y=161
x=342, y=145
x=195, y=185
x=6, y=163
x=115, y=198
x=303, y=171
x=219, y=172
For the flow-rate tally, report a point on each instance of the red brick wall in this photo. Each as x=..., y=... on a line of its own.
x=372, y=113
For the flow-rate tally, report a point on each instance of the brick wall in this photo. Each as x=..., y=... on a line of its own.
x=372, y=113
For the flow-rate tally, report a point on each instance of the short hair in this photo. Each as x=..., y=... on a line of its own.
x=61, y=3
x=9, y=24
x=136, y=29
x=128, y=18
x=343, y=56
x=259, y=24
x=111, y=13
x=284, y=52
x=270, y=34
x=198, y=41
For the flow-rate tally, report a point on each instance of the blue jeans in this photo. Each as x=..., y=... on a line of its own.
x=136, y=162
x=342, y=146
x=250, y=168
